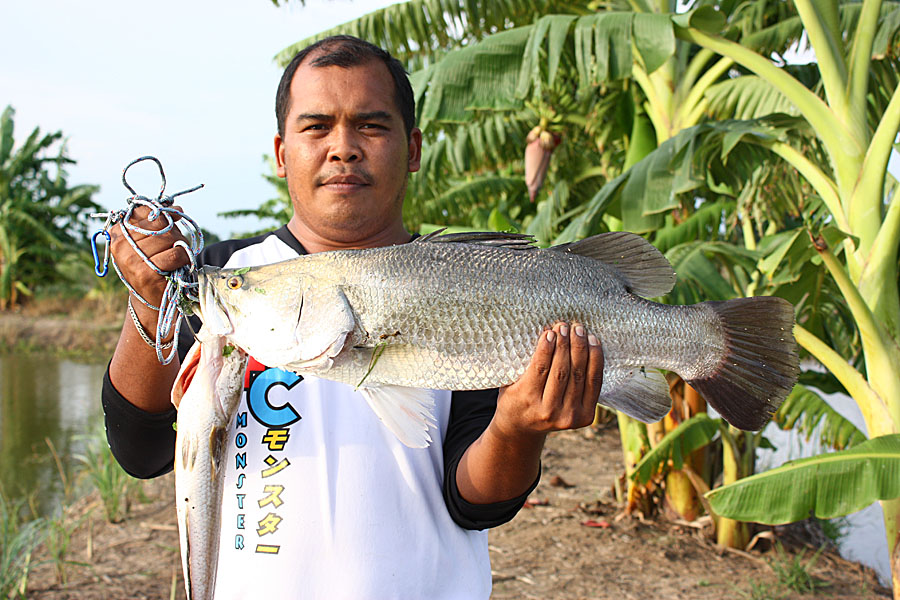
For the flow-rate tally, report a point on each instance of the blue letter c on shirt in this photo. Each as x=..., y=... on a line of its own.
x=257, y=398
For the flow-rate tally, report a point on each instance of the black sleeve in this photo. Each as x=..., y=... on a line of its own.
x=470, y=413
x=142, y=442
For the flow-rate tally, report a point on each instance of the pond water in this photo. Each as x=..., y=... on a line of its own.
x=45, y=398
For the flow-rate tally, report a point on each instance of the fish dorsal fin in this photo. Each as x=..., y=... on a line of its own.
x=407, y=412
x=646, y=271
x=512, y=241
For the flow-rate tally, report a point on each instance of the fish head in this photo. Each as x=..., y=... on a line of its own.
x=256, y=308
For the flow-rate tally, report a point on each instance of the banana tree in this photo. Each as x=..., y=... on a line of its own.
x=855, y=126
x=838, y=135
x=42, y=218
x=839, y=144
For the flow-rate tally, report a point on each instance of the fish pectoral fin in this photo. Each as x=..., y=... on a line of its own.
x=639, y=393
x=325, y=324
x=407, y=412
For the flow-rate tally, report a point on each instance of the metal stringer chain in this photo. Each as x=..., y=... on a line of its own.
x=181, y=286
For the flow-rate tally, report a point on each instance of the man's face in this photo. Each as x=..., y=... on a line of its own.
x=345, y=152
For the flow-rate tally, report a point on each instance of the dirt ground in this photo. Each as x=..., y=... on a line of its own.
x=550, y=550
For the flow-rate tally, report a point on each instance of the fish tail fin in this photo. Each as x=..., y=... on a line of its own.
x=759, y=365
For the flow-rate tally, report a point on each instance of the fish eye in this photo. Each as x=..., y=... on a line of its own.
x=235, y=283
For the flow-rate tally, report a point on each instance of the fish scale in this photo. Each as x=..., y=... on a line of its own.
x=492, y=328
x=464, y=311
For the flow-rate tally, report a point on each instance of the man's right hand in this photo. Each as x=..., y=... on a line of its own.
x=160, y=249
x=135, y=370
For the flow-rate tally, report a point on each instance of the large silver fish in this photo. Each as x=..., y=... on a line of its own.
x=464, y=311
x=206, y=393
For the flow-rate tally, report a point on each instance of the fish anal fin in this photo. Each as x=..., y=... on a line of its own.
x=407, y=412
x=186, y=554
x=644, y=268
x=639, y=393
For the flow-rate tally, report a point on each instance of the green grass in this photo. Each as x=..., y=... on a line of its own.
x=18, y=539
x=793, y=573
x=58, y=537
x=117, y=489
x=763, y=591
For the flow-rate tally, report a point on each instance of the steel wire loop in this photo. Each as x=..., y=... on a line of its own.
x=181, y=284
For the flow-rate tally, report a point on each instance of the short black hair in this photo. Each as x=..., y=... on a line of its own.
x=347, y=51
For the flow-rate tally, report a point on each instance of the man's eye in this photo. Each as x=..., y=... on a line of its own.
x=316, y=127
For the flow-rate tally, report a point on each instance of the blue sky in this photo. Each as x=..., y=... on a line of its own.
x=191, y=82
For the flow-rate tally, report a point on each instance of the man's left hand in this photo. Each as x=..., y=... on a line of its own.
x=559, y=389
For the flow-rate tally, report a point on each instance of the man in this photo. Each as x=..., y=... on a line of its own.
x=321, y=500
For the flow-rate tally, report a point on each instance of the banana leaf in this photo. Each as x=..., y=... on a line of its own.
x=827, y=486
x=693, y=434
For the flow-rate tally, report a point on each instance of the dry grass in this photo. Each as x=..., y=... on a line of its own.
x=67, y=326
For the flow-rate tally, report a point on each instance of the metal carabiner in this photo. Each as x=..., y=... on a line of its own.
x=97, y=270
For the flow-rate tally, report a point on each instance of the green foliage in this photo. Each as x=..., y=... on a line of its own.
x=691, y=435
x=117, y=489
x=18, y=540
x=42, y=217
x=793, y=573
x=278, y=209
x=806, y=411
x=419, y=32
x=747, y=97
x=58, y=537
x=829, y=485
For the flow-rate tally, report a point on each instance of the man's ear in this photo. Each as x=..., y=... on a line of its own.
x=279, y=155
x=415, y=150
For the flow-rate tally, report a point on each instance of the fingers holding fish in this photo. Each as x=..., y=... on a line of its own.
x=560, y=387
x=571, y=389
x=586, y=377
x=558, y=380
x=593, y=382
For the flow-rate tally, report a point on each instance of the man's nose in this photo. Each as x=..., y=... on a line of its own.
x=345, y=146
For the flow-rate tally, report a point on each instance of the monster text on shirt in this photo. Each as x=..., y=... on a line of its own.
x=258, y=382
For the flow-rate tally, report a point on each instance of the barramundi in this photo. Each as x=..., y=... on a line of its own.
x=206, y=393
x=464, y=311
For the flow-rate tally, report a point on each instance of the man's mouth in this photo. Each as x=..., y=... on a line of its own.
x=345, y=182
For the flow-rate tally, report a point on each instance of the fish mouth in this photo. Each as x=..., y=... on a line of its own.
x=213, y=312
